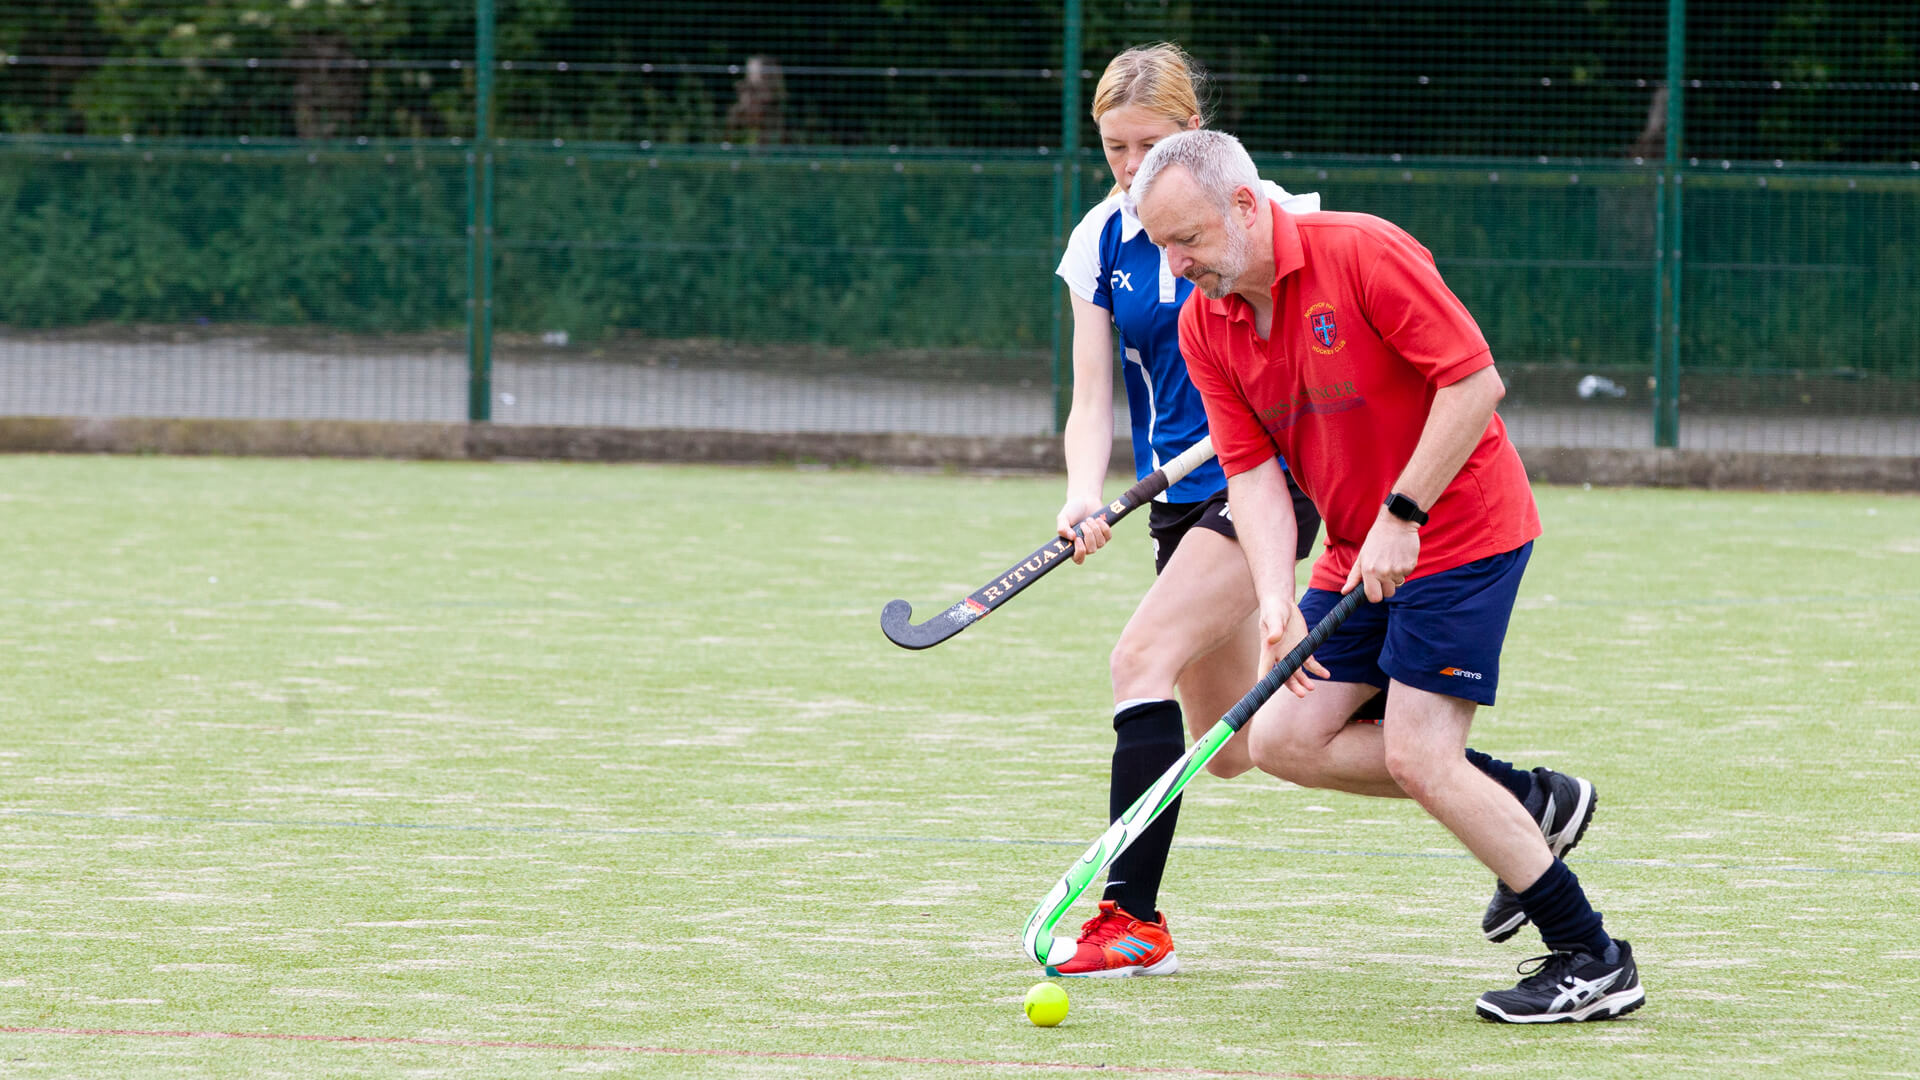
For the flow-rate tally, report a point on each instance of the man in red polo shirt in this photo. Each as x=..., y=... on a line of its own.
x=1330, y=340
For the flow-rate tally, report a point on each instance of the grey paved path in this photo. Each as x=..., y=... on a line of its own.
x=243, y=377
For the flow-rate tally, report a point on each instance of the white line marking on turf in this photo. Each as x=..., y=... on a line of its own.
x=676, y=1051
x=883, y=838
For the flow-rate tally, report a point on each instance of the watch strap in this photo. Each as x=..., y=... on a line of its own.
x=1406, y=509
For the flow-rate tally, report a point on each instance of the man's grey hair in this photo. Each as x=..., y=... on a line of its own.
x=1217, y=162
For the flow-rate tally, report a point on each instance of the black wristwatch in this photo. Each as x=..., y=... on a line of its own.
x=1405, y=509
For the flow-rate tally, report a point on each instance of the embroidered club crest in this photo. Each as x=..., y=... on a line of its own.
x=1325, y=329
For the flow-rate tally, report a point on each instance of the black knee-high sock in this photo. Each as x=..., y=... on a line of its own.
x=1559, y=907
x=1504, y=774
x=1148, y=739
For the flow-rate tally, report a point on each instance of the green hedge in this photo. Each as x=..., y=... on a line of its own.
x=865, y=253
x=359, y=245
x=877, y=254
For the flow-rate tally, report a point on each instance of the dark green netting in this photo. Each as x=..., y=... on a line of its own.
x=844, y=216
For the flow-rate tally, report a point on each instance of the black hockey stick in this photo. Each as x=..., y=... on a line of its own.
x=896, y=620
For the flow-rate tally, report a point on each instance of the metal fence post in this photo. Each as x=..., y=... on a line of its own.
x=1066, y=191
x=480, y=223
x=1656, y=371
x=1666, y=379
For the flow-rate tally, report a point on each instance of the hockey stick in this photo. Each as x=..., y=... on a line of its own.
x=1038, y=938
x=896, y=620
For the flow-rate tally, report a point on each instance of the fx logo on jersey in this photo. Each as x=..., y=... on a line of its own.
x=1122, y=280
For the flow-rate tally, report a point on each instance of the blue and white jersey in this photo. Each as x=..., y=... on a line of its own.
x=1110, y=262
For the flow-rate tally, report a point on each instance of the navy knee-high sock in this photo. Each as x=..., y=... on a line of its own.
x=1504, y=774
x=1148, y=739
x=1559, y=907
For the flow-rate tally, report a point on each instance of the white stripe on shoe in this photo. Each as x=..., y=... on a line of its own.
x=1612, y=1005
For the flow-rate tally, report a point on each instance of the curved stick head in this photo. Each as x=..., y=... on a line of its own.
x=1037, y=940
x=896, y=617
x=896, y=621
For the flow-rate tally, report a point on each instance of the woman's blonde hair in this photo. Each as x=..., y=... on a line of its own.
x=1160, y=78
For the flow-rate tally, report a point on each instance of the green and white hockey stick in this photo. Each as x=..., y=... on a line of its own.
x=1038, y=939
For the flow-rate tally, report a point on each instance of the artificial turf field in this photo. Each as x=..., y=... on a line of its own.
x=321, y=768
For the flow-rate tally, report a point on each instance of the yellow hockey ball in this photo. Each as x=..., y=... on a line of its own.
x=1046, y=1004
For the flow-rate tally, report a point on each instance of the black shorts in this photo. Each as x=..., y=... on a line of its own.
x=1169, y=523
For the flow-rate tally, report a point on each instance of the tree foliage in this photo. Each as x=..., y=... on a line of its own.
x=1798, y=79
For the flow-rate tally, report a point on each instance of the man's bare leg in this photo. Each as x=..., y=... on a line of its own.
x=1425, y=738
x=1309, y=741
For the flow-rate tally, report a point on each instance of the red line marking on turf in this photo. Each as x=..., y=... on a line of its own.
x=678, y=1051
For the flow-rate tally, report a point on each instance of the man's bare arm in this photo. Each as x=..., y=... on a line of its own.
x=1458, y=418
x=1263, y=518
x=1455, y=423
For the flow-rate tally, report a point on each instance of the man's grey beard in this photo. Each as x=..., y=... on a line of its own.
x=1234, y=263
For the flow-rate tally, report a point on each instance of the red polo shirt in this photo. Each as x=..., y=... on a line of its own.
x=1364, y=331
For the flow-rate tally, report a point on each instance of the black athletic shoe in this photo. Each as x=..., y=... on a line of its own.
x=1563, y=820
x=1563, y=987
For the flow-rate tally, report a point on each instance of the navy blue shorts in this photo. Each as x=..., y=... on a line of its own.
x=1441, y=632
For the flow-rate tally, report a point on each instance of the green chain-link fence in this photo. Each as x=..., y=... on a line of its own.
x=844, y=216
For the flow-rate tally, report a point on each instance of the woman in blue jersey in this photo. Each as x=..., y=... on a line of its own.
x=1195, y=631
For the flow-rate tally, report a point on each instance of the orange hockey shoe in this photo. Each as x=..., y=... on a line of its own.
x=1115, y=945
